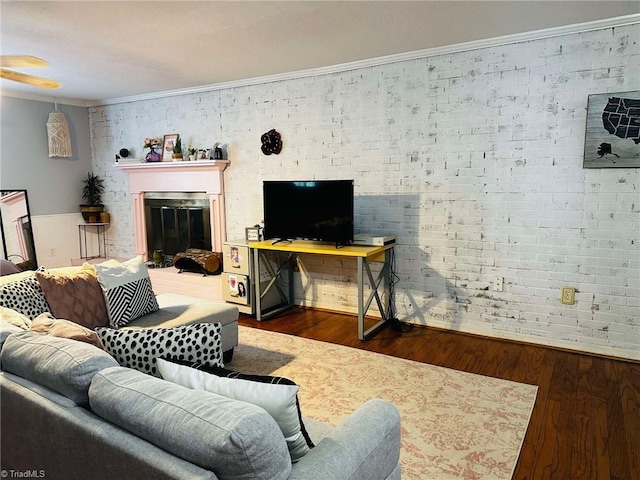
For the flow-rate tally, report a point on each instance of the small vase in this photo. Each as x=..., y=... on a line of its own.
x=153, y=156
x=158, y=258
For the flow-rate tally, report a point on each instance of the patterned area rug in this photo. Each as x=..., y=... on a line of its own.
x=455, y=425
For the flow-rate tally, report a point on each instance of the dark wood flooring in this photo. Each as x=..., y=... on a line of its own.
x=586, y=420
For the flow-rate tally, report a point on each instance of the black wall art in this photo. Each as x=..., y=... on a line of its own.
x=613, y=130
x=271, y=142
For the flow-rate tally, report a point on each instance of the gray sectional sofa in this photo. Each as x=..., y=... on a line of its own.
x=69, y=411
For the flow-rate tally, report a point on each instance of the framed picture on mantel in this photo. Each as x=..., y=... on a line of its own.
x=167, y=146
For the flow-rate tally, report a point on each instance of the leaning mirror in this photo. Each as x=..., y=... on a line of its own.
x=17, y=233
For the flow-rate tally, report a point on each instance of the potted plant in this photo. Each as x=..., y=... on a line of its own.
x=192, y=154
x=92, y=190
x=177, y=149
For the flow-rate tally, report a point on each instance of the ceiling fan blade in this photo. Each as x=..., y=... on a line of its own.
x=22, y=61
x=28, y=79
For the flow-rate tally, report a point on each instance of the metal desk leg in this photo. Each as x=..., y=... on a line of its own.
x=286, y=300
x=256, y=284
x=360, y=298
x=363, y=308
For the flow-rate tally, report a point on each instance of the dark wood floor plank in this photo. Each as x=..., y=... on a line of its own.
x=535, y=368
x=585, y=423
x=581, y=433
x=629, y=397
x=618, y=456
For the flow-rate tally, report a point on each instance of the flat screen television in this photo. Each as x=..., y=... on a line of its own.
x=319, y=210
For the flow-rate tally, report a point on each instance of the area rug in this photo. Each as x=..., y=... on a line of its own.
x=455, y=425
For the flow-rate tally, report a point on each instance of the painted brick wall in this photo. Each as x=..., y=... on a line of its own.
x=473, y=160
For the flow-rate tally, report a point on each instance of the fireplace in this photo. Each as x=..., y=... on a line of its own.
x=176, y=221
x=194, y=213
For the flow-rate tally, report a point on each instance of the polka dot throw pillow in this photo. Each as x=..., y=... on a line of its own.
x=24, y=296
x=139, y=348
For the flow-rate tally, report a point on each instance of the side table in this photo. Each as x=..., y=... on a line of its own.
x=102, y=239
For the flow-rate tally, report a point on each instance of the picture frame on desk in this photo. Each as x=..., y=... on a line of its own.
x=252, y=234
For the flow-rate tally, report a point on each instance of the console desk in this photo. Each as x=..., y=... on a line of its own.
x=363, y=255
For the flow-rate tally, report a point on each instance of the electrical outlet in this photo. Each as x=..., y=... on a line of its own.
x=568, y=296
x=498, y=284
x=52, y=252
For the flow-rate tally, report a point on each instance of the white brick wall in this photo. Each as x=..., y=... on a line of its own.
x=473, y=160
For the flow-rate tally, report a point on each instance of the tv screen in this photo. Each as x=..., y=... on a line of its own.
x=311, y=209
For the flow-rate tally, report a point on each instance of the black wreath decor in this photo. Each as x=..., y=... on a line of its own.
x=271, y=142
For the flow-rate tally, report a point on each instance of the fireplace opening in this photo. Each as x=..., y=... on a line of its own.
x=177, y=221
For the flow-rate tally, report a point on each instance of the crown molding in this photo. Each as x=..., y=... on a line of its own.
x=367, y=63
x=384, y=60
x=75, y=102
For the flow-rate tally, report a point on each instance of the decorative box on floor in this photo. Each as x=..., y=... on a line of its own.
x=197, y=260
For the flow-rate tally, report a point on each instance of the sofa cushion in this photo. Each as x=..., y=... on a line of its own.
x=138, y=349
x=7, y=329
x=235, y=440
x=277, y=395
x=127, y=288
x=63, y=365
x=58, y=327
x=75, y=296
x=24, y=295
x=15, y=318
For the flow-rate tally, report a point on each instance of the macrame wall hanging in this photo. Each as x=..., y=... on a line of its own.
x=58, y=132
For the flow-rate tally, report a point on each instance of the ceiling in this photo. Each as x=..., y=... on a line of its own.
x=110, y=50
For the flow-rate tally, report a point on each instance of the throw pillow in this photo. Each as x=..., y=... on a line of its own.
x=15, y=318
x=24, y=296
x=277, y=395
x=75, y=296
x=127, y=288
x=55, y=327
x=139, y=348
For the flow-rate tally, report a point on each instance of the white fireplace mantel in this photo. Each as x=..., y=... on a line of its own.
x=199, y=176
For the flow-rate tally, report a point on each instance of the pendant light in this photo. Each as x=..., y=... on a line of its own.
x=58, y=132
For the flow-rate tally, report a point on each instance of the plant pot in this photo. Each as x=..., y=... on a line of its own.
x=177, y=157
x=91, y=213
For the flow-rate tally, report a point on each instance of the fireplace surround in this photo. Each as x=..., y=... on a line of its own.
x=205, y=177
